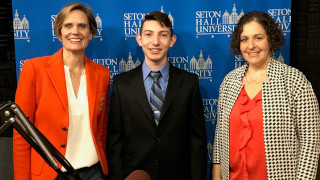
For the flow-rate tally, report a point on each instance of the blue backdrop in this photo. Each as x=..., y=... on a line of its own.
x=203, y=29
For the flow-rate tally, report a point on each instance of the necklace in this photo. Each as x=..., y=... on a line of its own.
x=73, y=73
x=256, y=81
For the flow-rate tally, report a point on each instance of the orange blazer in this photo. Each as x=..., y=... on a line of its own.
x=42, y=96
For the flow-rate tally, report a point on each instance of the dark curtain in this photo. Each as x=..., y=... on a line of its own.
x=305, y=42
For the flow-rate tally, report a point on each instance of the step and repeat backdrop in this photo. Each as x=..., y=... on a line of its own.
x=203, y=28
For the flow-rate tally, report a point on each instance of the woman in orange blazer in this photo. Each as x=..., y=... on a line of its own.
x=66, y=96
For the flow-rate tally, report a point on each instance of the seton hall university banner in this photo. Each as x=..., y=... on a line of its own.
x=203, y=29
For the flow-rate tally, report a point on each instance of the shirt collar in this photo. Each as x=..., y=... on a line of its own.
x=164, y=70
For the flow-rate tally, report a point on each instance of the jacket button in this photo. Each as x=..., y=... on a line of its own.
x=63, y=145
x=64, y=128
x=155, y=162
x=158, y=139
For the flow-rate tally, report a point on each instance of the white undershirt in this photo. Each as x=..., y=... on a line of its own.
x=80, y=151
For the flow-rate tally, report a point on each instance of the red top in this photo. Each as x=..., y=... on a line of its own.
x=246, y=146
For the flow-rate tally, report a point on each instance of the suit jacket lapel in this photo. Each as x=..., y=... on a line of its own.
x=137, y=86
x=57, y=76
x=172, y=88
x=92, y=82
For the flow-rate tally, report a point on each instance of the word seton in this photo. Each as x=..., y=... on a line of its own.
x=133, y=16
x=208, y=14
x=280, y=12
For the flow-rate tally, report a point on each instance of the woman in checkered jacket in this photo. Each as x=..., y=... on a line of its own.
x=268, y=115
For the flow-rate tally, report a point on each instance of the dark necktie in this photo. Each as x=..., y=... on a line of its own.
x=156, y=96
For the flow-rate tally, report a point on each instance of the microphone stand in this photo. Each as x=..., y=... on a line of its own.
x=12, y=115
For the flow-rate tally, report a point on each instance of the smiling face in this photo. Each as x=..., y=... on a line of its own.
x=254, y=45
x=75, y=32
x=155, y=41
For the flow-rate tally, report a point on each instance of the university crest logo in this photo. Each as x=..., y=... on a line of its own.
x=21, y=27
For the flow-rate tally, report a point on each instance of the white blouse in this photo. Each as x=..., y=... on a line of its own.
x=81, y=151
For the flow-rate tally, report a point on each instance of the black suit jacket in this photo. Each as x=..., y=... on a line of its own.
x=176, y=148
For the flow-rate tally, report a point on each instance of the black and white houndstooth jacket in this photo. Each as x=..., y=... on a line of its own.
x=291, y=122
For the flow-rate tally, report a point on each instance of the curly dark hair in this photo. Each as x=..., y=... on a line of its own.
x=275, y=37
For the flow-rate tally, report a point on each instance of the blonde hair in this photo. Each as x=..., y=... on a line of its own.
x=66, y=11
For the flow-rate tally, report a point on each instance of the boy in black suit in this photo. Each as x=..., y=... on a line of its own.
x=156, y=121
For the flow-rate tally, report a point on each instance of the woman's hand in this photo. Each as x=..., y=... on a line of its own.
x=216, y=169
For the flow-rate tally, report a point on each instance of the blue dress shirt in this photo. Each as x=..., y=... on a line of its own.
x=148, y=81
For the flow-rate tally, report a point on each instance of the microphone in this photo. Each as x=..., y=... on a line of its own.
x=11, y=114
x=138, y=175
x=34, y=135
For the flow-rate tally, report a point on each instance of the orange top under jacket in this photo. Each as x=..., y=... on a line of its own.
x=246, y=146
